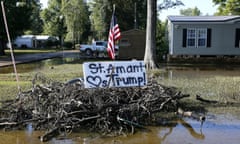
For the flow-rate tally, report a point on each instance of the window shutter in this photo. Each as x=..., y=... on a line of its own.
x=237, y=37
x=209, y=37
x=184, y=38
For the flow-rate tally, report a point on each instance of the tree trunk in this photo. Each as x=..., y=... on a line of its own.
x=150, y=49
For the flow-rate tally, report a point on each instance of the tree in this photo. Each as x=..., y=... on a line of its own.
x=53, y=19
x=98, y=18
x=228, y=7
x=101, y=12
x=36, y=25
x=161, y=40
x=190, y=12
x=69, y=19
x=77, y=20
x=19, y=20
x=150, y=49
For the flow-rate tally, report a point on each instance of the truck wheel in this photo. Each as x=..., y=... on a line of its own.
x=88, y=52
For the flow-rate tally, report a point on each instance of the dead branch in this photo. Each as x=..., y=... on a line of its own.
x=198, y=97
x=191, y=114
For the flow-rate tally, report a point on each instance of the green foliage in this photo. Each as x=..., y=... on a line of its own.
x=125, y=13
x=67, y=19
x=228, y=7
x=161, y=41
x=98, y=18
x=18, y=18
x=53, y=19
x=68, y=44
x=77, y=20
x=50, y=43
x=101, y=13
x=36, y=21
x=166, y=4
x=21, y=17
x=190, y=12
x=219, y=1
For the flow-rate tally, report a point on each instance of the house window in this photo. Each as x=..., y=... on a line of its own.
x=197, y=37
x=191, y=35
x=202, y=37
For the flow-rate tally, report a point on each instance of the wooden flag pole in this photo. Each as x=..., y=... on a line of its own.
x=10, y=46
x=110, y=78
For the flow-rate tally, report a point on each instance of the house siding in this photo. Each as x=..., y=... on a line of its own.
x=222, y=39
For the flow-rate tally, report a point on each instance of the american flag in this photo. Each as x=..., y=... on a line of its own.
x=114, y=35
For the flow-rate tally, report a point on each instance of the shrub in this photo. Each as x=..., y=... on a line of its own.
x=68, y=44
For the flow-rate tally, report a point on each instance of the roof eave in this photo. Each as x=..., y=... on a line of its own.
x=230, y=20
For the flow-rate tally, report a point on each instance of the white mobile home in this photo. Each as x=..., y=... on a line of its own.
x=204, y=35
x=42, y=40
x=25, y=41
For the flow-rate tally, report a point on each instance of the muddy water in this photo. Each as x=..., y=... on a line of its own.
x=221, y=127
x=218, y=129
x=27, y=67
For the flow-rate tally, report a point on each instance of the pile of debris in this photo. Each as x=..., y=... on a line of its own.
x=65, y=107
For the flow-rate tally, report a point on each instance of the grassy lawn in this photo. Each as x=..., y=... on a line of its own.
x=221, y=86
x=62, y=73
x=222, y=89
x=8, y=85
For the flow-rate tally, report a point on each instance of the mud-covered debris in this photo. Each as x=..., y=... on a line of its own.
x=64, y=107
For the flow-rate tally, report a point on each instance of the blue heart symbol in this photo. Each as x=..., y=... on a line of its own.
x=94, y=80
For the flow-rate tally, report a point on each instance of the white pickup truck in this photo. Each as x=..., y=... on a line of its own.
x=97, y=48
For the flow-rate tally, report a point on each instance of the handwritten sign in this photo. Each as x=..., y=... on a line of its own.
x=114, y=74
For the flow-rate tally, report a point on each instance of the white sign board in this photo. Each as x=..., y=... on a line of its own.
x=114, y=74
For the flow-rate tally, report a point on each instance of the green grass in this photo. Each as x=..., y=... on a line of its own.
x=9, y=89
x=222, y=88
x=62, y=73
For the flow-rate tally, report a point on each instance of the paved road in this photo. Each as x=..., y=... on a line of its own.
x=35, y=57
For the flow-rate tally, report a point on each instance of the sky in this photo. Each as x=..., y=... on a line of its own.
x=205, y=6
x=44, y=3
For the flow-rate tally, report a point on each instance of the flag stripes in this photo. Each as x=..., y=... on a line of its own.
x=114, y=35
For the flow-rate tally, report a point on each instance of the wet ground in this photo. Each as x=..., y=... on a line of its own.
x=222, y=125
x=18, y=59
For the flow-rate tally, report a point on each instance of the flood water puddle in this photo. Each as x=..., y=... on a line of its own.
x=217, y=129
x=28, y=67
